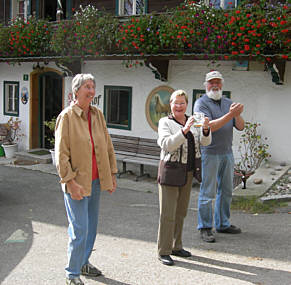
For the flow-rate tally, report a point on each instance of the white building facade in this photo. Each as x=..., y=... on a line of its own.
x=264, y=101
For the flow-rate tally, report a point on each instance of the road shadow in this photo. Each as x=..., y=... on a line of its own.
x=106, y=280
x=253, y=274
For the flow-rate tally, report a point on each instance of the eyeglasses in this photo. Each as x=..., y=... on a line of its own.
x=179, y=104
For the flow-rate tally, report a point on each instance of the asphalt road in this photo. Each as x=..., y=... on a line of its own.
x=33, y=240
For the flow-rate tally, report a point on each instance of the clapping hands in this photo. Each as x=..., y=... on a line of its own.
x=236, y=109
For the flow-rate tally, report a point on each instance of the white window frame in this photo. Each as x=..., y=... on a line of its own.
x=9, y=96
x=121, y=8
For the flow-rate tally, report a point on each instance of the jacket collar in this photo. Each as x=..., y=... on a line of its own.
x=79, y=111
x=171, y=117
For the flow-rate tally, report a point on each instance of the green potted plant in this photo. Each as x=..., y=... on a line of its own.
x=253, y=151
x=51, y=137
x=10, y=146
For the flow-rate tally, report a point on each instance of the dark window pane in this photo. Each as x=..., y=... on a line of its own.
x=10, y=96
x=117, y=106
x=21, y=9
x=128, y=7
x=140, y=6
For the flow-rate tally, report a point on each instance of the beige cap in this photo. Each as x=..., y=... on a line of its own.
x=212, y=75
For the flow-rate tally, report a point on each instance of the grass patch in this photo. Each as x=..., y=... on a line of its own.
x=40, y=152
x=252, y=205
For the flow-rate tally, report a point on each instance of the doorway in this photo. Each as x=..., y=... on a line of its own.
x=46, y=103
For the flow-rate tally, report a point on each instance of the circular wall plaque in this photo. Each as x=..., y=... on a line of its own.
x=157, y=105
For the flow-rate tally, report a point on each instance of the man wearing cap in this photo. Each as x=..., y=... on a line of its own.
x=217, y=158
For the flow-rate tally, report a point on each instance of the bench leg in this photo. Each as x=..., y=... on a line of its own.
x=141, y=172
x=124, y=170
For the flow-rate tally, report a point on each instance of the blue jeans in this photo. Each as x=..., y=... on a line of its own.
x=217, y=178
x=83, y=220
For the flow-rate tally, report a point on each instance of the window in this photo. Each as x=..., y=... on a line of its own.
x=117, y=106
x=53, y=10
x=224, y=4
x=131, y=7
x=19, y=9
x=11, y=98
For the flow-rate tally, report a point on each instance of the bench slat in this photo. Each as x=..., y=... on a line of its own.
x=136, y=150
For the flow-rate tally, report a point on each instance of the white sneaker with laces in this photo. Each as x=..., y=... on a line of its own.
x=74, y=281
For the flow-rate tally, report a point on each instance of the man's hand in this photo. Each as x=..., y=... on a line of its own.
x=206, y=126
x=206, y=123
x=76, y=190
x=236, y=109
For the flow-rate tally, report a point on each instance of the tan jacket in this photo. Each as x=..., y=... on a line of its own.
x=73, y=148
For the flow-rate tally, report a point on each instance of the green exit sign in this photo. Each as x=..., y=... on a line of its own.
x=25, y=77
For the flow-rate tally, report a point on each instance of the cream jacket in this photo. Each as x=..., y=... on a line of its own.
x=73, y=148
x=171, y=138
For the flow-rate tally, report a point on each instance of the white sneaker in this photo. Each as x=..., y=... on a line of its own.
x=74, y=281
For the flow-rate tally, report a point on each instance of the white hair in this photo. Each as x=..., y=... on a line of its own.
x=79, y=80
x=179, y=92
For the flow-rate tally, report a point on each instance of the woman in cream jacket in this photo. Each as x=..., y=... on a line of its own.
x=173, y=132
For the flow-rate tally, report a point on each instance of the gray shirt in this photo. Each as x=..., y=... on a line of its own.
x=222, y=138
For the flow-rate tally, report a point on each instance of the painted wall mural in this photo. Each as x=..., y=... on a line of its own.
x=157, y=105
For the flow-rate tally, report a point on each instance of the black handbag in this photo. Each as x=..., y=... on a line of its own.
x=172, y=173
x=197, y=173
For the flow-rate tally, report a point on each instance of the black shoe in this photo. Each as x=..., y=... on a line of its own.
x=90, y=270
x=182, y=253
x=230, y=230
x=207, y=235
x=166, y=259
